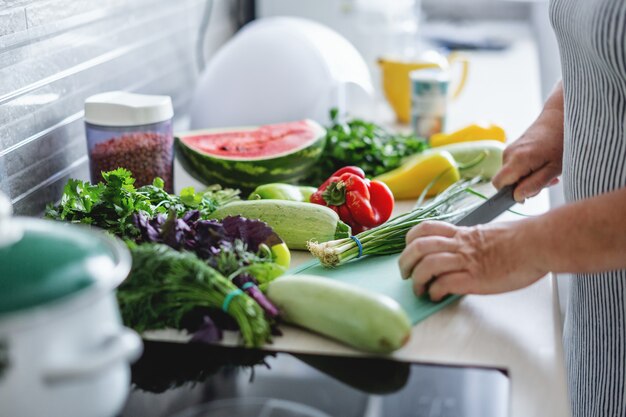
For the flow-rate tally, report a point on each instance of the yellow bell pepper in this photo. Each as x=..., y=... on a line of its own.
x=410, y=179
x=469, y=133
x=281, y=255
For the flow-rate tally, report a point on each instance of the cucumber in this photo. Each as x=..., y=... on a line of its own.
x=465, y=153
x=358, y=317
x=295, y=222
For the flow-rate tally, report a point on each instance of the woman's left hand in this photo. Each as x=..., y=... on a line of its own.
x=484, y=259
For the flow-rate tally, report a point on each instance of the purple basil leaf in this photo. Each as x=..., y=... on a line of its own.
x=148, y=232
x=208, y=332
x=174, y=231
x=159, y=220
x=191, y=216
x=242, y=279
x=207, y=237
x=252, y=232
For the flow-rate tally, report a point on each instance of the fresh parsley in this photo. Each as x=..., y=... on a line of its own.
x=364, y=144
x=112, y=204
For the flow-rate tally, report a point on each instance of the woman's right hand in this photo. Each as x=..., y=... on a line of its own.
x=535, y=160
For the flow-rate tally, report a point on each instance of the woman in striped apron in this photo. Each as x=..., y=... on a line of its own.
x=580, y=133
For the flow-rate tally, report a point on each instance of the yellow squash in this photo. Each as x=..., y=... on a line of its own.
x=469, y=133
x=411, y=178
x=281, y=255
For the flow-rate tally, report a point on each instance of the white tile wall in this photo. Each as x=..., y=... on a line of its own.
x=55, y=53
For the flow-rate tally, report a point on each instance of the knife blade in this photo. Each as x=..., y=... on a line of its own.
x=490, y=209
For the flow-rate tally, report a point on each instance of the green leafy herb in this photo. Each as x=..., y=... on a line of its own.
x=112, y=204
x=164, y=285
x=365, y=144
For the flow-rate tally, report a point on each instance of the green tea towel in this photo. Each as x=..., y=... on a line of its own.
x=382, y=275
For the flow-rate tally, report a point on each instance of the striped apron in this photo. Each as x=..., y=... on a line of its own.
x=592, y=41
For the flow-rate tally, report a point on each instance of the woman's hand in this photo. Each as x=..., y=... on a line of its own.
x=535, y=159
x=494, y=258
x=487, y=259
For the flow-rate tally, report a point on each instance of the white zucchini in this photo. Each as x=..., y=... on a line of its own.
x=358, y=317
x=295, y=222
x=487, y=152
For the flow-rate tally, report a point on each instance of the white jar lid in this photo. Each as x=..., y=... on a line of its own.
x=119, y=108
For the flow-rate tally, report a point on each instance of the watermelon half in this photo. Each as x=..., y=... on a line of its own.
x=250, y=156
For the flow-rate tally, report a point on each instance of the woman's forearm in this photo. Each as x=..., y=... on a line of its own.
x=552, y=114
x=554, y=103
x=585, y=236
x=534, y=161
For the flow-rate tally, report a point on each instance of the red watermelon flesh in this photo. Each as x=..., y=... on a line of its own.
x=262, y=142
x=251, y=156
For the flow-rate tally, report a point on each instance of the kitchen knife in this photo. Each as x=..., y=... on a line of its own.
x=490, y=209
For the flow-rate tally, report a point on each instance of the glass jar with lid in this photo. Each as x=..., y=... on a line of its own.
x=132, y=131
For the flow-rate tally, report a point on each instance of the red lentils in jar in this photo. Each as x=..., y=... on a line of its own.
x=130, y=131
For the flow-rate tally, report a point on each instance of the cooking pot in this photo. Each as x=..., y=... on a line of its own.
x=63, y=349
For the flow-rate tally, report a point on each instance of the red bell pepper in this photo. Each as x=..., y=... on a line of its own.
x=359, y=202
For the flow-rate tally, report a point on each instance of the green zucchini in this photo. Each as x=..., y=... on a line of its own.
x=478, y=158
x=295, y=222
x=279, y=191
x=358, y=317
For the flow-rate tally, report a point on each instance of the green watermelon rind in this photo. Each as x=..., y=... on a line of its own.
x=289, y=167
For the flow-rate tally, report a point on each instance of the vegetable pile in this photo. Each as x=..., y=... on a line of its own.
x=204, y=262
x=389, y=237
x=184, y=265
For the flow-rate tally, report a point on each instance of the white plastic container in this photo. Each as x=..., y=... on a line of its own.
x=132, y=131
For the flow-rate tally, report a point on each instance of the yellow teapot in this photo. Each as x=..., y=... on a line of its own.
x=397, y=84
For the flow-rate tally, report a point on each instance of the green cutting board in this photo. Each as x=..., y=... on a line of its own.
x=382, y=275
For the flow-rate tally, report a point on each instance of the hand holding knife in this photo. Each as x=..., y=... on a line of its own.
x=487, y=211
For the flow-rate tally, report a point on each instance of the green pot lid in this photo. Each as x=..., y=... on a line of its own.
x=43, y=261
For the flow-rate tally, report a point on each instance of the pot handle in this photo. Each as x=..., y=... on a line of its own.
x=124, y=346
